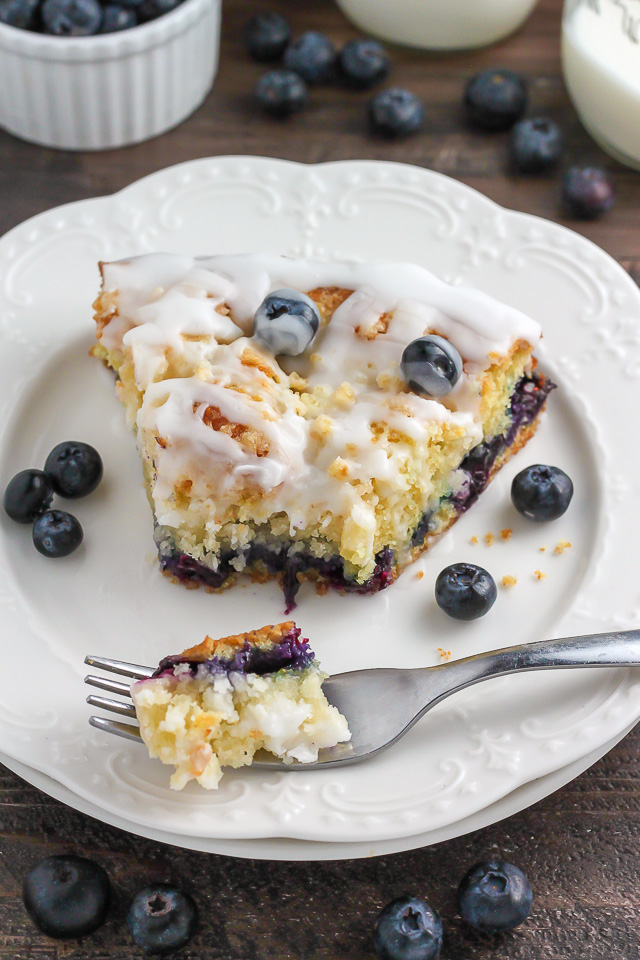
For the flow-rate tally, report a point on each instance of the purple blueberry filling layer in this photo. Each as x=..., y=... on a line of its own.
x=291, y=653
x=527, y=400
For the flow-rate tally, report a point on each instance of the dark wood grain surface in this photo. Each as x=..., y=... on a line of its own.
x=581, y=846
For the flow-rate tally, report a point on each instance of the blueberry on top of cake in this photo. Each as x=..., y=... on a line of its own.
x=312, y=420
x=218, y=703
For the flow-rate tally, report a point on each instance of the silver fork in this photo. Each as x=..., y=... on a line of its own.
x=382, y=704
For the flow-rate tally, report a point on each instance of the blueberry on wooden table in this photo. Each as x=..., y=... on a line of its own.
x=266, y=36
x=495, y=99
x=465, y=591
x=286, y=322
x=587, y=192
x=312, y=56
x=281, y=93
x=74, y=468
x=362, y=64
x=408, y=929
x=67, y=896
x=396, y=113
x=494, y=897
x=28, y=495
x=71, y=18
x=536, y=145
x=162, y=919
x=431, y=365
x=57, y=534
x=541, y=492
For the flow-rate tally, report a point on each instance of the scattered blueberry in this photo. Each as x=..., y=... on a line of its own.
x=541, y=492
x=28, y=495
x=396, y=112
x=152, y=9
x=312, y=56
x=495, y=99
x=266, y=36
x=118, y=18
x=587, y=192
x=536, y=145
x=363, y=63
x=465, y=591
x=74, y=468
x=162, y=919
x=19, y=13
x=286, y=322
x=71, y=18
x=281, y=92
x=67, y=896
x=408, y=929
x=494, y=897
x=57, y=534
x=431, y=365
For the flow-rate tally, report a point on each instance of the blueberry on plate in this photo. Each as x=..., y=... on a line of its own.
x=494, y=897
x=362, y=64
x=396, y=113
x=57, y=534
x=431, y=365
x=465, y=591
x=541, y=493
x=19, y=13
x=266, y=36
x=74, y=468
x=495, y=99
x=162, y=919
x=281, y=92
x=408, y=929
x=28, y=495
x=118, y=18
x=71, y=18
x=536, y=145
x=312, y=56
x=67, y=896
x=587, y=192
x=286, y=322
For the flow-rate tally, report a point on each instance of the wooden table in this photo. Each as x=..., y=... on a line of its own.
x=581, y=846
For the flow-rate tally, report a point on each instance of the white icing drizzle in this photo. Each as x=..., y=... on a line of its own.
x=169, y=314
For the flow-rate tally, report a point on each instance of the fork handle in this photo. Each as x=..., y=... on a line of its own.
x=616, y=649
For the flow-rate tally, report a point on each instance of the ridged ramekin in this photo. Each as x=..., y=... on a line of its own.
x=96, y=93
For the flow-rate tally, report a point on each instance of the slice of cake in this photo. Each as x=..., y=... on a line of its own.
x=217, y=704
x=311, y=420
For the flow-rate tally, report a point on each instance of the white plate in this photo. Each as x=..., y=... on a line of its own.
x=302, y=850
x=109, y=597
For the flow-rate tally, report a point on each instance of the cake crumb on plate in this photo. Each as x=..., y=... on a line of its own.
x=506, y=533
x=539, y=575
x=509, y=581
x=561, y=546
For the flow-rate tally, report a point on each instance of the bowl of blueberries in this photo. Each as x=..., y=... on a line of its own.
x=99, y=74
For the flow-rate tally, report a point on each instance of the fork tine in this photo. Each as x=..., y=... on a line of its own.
x=112, y=686
x=115, y=706
x=120, y=667
x=126, y=730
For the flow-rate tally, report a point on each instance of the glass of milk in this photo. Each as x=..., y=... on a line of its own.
x=601, y=62
x=439, y=24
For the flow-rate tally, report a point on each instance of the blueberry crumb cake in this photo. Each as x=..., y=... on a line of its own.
x=309, y=420
x=218, y=703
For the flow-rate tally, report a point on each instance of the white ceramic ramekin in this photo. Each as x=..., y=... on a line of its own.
x=95, y=93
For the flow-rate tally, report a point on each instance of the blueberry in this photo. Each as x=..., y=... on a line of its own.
x=118, y=18
x=587, y=192
x=541, y=493
x=465, y=591
x=152, y=9
x=363, y=63
x=431, y=365
x=162, y=919
x=536, y=145
x=71, y=18
x=495, y=99
x=57, y=534
x=396, y=112
x=67, y=896
x=494, y=896
x=74, y=468
x=28, y=495
x=312, y=56
x=407, y=929
x=281, y=92
x=266, y=36
x=286, y=322
x=19, y=13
